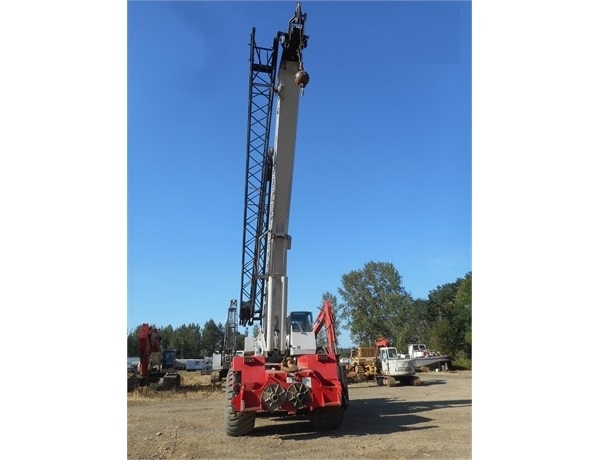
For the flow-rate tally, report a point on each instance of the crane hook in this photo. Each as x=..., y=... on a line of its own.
x=301, y=78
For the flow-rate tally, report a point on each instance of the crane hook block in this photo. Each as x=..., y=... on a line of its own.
x=302, y=78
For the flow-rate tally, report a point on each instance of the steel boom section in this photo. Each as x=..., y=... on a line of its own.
x=281, y=190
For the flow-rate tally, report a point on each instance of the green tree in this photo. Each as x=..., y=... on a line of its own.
x=448, y=316
x=463, y=316
x=420, y=324
x=440, y=304
x=240, y=339
x=212, y=337
x=376, y=304
x=167, y=334
x=133, y=343
x=187, y=341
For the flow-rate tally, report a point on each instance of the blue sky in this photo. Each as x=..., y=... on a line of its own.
x=383, y=154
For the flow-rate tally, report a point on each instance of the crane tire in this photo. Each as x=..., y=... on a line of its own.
x=327, y=418
x=236, y=423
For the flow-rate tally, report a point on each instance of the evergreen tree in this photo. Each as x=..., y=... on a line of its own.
x=376, y=304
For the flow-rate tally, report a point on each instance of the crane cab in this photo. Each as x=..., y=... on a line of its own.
x=300, y=335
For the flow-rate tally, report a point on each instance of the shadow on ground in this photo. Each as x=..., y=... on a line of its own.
x=364, y=417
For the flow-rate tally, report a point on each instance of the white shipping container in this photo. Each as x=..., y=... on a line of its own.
x=195, y=365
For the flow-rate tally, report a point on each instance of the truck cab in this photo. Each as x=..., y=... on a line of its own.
x=168, y=359
x=300, y=333
x=393, y=365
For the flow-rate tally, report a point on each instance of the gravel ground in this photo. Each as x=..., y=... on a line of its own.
x=431, y=421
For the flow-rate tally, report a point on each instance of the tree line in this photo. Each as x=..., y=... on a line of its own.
x=190, y=341
x=373, y=303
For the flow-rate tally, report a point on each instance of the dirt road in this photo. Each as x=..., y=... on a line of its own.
x=432, y=421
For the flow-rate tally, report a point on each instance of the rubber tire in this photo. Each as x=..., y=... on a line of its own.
x=379, y=381
x=236, y=423
x=327, y=418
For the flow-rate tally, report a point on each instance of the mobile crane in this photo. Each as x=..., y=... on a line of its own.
x=222, y=359
x=282, y=373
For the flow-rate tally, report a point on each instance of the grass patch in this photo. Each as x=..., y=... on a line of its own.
x=462, y=365
x=193, y=385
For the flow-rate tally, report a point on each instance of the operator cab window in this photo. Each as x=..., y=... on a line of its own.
x=301, y=321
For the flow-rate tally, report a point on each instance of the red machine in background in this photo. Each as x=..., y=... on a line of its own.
x=325, y=320
x=382, y=342
x=156, y=365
